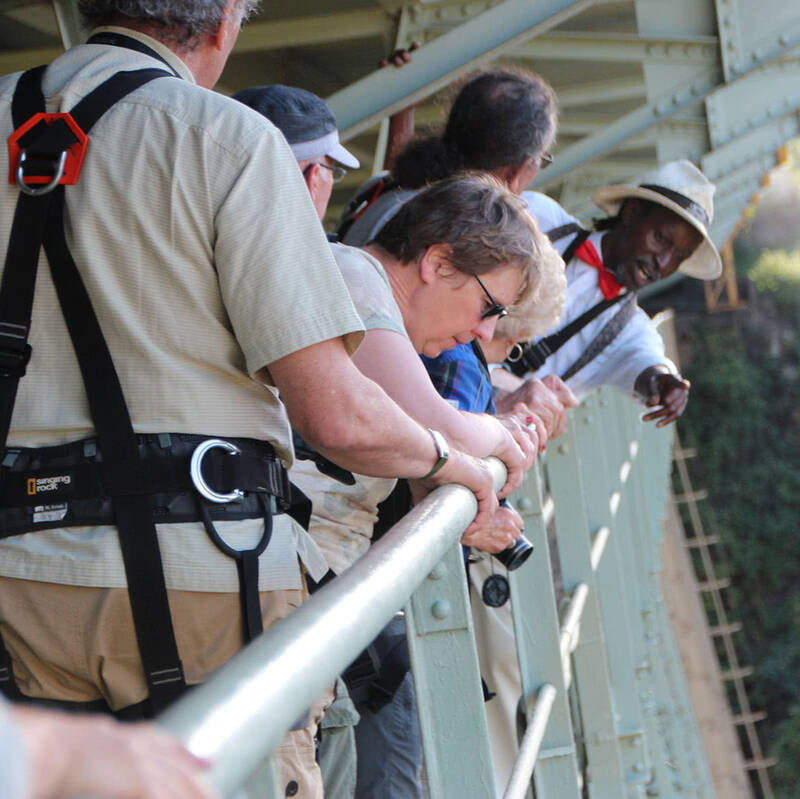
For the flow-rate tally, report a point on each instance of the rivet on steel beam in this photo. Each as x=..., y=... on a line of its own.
x=587, y=419
x=440, y=609
x=438, y=571
x=676, y=99
x=563, y=449
x=525, y=504
x=783, y=40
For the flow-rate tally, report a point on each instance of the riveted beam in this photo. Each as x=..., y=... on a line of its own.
x=584, y=124
x=601, y=91
x=766, y=94
x=317, y=29
x=643, y=118
x=731, y=48
x=480, y=39
x=759, y=142
x=698, y=50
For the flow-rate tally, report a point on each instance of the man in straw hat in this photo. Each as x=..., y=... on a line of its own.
x=653, y=228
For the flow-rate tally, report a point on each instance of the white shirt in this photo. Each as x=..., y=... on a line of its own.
x=638, y=344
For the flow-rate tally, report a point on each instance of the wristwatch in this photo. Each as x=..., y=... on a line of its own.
x=442, y=450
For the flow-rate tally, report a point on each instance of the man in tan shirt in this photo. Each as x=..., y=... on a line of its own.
x=225, y=316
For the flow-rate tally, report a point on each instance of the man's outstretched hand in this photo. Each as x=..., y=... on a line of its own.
x=658, y=386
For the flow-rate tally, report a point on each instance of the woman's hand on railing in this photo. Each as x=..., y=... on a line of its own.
x=467, y=471
x=517, y=450
x=548, y=400
x=498, y=532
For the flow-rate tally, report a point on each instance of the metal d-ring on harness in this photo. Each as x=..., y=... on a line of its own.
x=118, y=477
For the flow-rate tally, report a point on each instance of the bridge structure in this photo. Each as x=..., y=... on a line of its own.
x=639, y=82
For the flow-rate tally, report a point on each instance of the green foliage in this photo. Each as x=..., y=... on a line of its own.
x=777, y=275
x=742, y=420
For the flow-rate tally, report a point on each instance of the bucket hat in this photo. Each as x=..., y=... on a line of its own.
x=682, y=188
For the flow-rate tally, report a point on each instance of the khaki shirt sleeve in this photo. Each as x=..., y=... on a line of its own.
x=279, y=282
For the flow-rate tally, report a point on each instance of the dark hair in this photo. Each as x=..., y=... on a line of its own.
x=181, y=21
x=484, y=224
x=499, y=118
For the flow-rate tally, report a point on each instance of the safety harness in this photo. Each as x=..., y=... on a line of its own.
x=116, y=477
x=534, y=354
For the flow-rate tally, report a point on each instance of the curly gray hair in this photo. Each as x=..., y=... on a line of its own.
x=181, y=21
x=538, y=311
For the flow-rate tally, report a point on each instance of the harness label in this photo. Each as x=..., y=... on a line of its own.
x=44, y=485
x=49, y=513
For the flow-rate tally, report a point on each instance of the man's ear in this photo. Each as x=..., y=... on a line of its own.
x=310, y=175
x=435, y=263
x=522, y=176
x=228, y=27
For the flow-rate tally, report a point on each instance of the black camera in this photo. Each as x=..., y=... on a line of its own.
x=514, y=556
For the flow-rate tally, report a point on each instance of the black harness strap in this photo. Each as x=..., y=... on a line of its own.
x=610, y=331
x=39, y=221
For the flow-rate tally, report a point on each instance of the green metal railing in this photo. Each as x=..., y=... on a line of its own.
x=602, y=689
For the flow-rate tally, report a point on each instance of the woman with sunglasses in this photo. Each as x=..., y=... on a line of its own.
x=440, y=273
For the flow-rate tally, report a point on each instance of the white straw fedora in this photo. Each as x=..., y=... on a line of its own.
x=686, y=191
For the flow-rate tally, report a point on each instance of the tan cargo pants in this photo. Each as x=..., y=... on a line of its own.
x=77, y=644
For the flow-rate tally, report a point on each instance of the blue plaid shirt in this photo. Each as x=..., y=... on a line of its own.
x=461, y=379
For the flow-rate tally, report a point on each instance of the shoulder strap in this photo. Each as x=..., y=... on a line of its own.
x=610, y=331
x=556, y=233
x=39, y=221
x=534, y=354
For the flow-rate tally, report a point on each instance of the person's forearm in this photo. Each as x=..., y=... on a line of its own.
x=347, y=417
x=373, y=435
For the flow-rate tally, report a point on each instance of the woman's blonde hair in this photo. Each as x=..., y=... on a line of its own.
x=539, y=307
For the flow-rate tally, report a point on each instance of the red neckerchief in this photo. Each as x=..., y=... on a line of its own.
x=609, y=285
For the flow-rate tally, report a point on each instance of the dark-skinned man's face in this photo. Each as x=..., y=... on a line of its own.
x=648, y=244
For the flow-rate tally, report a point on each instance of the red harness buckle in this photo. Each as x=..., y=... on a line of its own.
x=66, y=168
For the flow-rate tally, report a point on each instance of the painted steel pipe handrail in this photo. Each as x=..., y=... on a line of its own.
x=520, y=780
x=241, y=714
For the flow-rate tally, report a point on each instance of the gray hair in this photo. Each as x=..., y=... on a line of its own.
x=537, y=312
x=181, y=21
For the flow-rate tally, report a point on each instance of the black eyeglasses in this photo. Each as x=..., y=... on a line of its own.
x=495, y=309
x=338, y=171
x=545, y=159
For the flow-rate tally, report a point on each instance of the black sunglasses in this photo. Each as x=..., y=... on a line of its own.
x=495, y=309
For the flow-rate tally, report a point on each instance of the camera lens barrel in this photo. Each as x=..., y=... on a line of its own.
x=514, y=556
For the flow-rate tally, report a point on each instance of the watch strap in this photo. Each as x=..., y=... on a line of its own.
x=442, y=450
